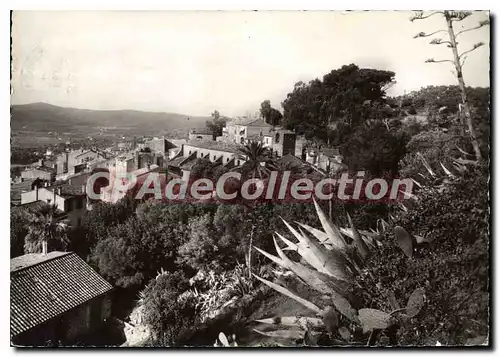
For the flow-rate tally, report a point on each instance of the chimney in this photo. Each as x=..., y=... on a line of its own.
x=137, y=161
x=44, y=247
x=36, y=192
x=59, y=190
x=84, y=189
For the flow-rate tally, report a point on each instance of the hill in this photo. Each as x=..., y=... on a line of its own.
x=46, y=123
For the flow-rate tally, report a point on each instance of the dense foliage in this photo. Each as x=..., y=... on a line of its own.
x=335, y=105
x=168, y=317
x=453, y=267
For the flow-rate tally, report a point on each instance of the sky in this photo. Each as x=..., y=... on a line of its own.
x=195, y=62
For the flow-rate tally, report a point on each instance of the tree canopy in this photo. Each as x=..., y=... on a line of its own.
x=271, y=115
x=343, y=99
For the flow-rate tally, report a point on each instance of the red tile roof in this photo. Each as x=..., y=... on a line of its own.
x=45, y=286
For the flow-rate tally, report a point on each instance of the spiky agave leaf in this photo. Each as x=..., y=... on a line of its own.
x=446, y=171
x=330, y=262
x=304, y=250
x=330, y=229
x=321, y=236
x=335, y=289
x=463, y=151
x=348, y=232
x=318, y=281
x=363, y=250
x=426, y=164
x=275, y=259
x=382, y=225
x=336, y=261
x=293, y=321
x=291, y=295
x=291, y=245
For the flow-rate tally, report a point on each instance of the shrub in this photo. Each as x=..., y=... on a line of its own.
x=169, y=318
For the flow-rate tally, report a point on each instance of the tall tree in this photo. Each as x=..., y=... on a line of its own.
x=45, y=229
x=458, y=59
x=332, y=107
x=271, y=115
x=216, y=124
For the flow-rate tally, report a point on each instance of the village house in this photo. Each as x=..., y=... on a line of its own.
x=326, y=159
x=240, y=130
x=56, y=298
x=201, y=133
x=160, y=145
x=280, y=141
x=74, y=161
x=112, y=193
x=225, y=153
x=72, y=200
x=40, y=172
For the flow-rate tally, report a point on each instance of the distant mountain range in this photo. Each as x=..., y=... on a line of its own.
x=43, y=117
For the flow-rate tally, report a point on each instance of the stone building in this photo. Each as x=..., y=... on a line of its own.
x=201, y=133
x=56, y=299
x=225, y=153
x=72, y=200
x=67, y=161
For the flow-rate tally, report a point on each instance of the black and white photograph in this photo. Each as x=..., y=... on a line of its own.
x=235, y=179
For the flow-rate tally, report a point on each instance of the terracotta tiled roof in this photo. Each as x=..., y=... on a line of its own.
x=215, y=145
x=201, y=131
x=175, y=162
x=330, y=152
x=290, y=160
x=249, y=122
x=68, y=190
x=45, y=286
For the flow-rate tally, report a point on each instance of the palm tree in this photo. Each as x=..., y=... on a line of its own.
x=44, y=229
x=258, y=164
x=258, y=160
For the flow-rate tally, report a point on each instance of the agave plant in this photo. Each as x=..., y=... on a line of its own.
x=333, y=257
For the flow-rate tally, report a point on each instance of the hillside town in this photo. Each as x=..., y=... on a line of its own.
x=62, y=179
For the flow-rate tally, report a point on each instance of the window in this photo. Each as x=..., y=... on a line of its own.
x=242, y=141
x=215, y=157
x=227, y=159
x=277, y=138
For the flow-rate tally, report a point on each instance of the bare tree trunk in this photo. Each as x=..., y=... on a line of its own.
x=249, y=257
x=458, y=67
x=330, y=213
